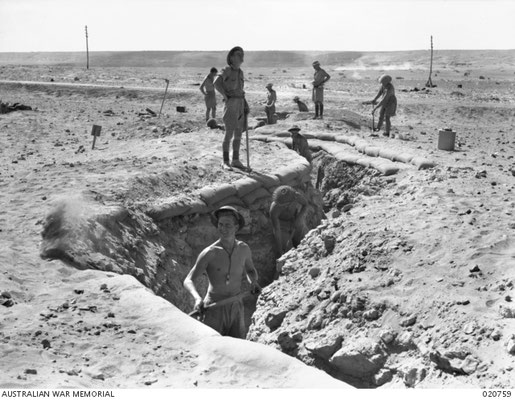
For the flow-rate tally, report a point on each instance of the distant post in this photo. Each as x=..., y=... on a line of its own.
x=87, y=49
x=95, y=131
x=429, y=81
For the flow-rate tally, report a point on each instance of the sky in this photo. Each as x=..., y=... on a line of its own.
x=339, y=25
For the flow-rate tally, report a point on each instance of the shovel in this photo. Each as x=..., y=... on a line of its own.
x=198, y=313
x=164, y=97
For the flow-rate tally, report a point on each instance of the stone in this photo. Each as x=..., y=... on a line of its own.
x=444, y=363
x=324, y=346
x=329, y=243
x=286, y=342
x=507, y=312
x=496, y=334
x=6, y=295
x=315, y=322
x=469, y=328
x=31, y=371
x=405, y=339
x=314, y=272
x=336, y=296
x=469, y=365
x=383, y=376
x=45, y=343
x=413, y=373
x=410, y=321
x=371, y=315
x=387, y=336
x=275, y=318
x=347, y=207
x=510, y=346
x=360, y=358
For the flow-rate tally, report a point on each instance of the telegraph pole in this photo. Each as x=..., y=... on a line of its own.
x=87, y=48
x=429, y=81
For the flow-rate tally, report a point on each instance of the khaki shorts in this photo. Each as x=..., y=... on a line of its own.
x=227, y=320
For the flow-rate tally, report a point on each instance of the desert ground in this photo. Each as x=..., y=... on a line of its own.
x=408, y=281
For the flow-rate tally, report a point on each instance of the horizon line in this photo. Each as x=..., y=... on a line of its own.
x=248, y=51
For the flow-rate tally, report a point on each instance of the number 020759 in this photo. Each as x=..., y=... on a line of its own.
x=497, y=393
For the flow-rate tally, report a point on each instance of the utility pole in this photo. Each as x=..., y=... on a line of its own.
x=429, y=81
x=87, y=49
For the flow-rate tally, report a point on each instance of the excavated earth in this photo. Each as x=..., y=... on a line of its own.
x=405, y=277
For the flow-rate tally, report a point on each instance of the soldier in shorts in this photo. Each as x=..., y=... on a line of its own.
x=208, y=90
x=319, y=79
x=225, y=261
x=230, y=85
x=270, y=104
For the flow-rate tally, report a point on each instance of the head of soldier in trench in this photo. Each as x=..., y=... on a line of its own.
x=227, y=225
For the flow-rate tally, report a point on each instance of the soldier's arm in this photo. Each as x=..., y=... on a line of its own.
x=326, y=77
x=250, y=271
x=203, y=85
x=379, y=93
x=198, y=269
x=276, y=226
x=219, y=85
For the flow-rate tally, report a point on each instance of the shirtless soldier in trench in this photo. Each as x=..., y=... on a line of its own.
x=225, y=261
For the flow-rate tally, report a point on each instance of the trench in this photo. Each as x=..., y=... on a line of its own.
x=160, y=252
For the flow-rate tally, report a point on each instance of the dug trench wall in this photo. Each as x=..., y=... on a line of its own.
x=158, y=243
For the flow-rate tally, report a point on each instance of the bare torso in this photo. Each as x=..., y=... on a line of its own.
x=225, y=269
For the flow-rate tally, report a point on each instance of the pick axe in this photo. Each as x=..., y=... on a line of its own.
x=164, y=98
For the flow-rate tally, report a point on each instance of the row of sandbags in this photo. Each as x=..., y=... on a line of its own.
x=243, y=192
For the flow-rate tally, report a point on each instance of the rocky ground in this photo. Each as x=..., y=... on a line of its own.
x=407, y=283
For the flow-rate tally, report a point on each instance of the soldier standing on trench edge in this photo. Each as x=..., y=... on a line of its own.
x=230, y=85
x=225, y=261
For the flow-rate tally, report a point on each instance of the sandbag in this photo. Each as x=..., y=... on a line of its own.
x=385, y=167
x=246, y=185
x=271, y=130
x=363, y=162
x=332, y=148
x=372, y=151
x=403, y=158
x=351, y=140
x=422, y=163
x=387, y=153
x=252, y=197
x=325, y=136
x=229, y=201
x=197, y=206
x=293, y=171
x=168, y=210
x=349, y=158
x=361, y=145
x=214, y=194
x=268, y=181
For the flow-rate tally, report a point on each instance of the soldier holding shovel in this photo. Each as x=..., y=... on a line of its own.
x=225, y=261
x=387, y=104
x=230, y=85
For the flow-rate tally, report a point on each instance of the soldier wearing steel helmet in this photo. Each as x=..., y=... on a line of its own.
x=225, y=261
x=387, y=104
x=287, y=213
x=230, y=84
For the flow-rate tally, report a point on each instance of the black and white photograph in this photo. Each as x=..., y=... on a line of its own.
x=257, y=194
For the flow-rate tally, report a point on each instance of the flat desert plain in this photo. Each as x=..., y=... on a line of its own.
x=407, y=282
